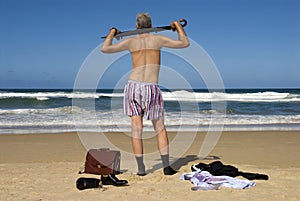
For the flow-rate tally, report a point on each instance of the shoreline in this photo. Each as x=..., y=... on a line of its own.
x=294, y=127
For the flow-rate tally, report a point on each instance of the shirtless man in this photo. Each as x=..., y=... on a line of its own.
x=142, y=96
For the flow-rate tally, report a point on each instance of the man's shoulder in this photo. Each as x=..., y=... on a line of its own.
x=145, y=35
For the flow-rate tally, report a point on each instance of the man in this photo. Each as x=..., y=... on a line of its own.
x=142, y=96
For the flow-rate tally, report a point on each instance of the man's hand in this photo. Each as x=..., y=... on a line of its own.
x=113, y=32
x=174, y=25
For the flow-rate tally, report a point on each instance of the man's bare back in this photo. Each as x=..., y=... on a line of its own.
x=145, y=56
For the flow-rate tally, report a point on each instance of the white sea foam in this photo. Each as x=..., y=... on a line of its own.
x=180, y=95
x=56, y=111
x=76, y=118
x=240, y=97
x=48, y=95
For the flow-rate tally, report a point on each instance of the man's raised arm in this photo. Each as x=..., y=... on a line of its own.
x=108, y=47
x=182, y=41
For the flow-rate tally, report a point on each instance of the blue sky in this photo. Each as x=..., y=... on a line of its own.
x=254, y=44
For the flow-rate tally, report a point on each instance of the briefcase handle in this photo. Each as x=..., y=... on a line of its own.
x=103, y=149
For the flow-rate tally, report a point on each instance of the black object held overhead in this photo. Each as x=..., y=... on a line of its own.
x=121, y=34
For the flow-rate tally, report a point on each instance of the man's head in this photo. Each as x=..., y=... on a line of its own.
x=143, y=20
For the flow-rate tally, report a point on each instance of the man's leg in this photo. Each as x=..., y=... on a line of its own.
x=162, y=138
x=137, y=142
x=163, y=145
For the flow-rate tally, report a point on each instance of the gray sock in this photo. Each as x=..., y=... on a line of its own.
x=140, y=163
x=165, y=160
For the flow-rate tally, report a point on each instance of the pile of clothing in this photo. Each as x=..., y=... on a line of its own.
x=212, y=176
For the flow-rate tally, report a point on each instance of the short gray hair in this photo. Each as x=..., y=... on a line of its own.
x=143, y=20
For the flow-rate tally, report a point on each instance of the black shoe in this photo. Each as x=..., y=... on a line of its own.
x=169, y=171
x=141, y=174
x=85, y=183
x=111, y=179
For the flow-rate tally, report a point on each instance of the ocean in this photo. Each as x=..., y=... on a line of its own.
x=24, y=111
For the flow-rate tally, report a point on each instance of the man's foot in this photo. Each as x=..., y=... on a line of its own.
x=141, y=166
x=169, y=171
x=141, y=173
x=141, y=170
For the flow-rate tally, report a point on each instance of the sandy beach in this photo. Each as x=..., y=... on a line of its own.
x=45, y=167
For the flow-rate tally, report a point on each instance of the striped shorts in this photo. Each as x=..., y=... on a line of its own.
x=143, y=99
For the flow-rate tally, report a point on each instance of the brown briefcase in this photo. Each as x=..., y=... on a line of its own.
x=102, y=161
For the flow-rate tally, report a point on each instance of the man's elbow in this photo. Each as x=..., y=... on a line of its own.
x=186, y=44
x=104, y=50
x=107, y=50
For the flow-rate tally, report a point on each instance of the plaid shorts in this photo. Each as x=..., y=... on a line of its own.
x=143, y=99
